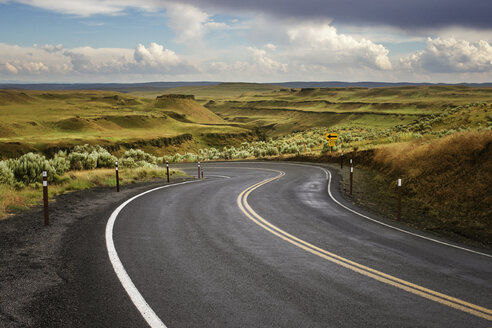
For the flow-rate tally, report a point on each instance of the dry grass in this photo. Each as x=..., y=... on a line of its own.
x=448, y=179
x=12, y=200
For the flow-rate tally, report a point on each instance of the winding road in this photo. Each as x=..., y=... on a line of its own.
x=260, y=244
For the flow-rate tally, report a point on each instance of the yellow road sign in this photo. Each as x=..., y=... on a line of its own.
x=331, y=136
x=331, y=142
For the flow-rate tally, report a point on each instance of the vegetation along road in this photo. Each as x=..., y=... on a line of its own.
x=259, y=244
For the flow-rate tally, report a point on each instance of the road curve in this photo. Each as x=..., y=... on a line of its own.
x=263, y=244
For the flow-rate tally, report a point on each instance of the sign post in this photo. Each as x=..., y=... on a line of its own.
x=45, y=198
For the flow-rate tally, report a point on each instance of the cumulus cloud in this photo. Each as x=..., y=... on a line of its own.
x=11, y=68
x=50, y=48
x=264, y=62
x=17, y=66
x=188, y=22
x=320, y=44
x=451, y=55
x=58, y=61
x=156, y=57
x=30, y=61
x=191, y=23
x=258, y=65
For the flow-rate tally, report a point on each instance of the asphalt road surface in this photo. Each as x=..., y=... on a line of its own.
x=265, y=245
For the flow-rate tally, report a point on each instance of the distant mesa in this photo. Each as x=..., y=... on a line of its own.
x=175, y=96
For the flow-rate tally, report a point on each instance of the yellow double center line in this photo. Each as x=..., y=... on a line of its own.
x=242, y=201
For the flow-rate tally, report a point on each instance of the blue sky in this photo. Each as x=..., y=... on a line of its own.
x=257, y=41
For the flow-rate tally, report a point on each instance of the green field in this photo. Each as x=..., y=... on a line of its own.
x=190, y=118
x=38, y=120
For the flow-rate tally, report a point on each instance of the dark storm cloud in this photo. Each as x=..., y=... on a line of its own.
x=408, y=14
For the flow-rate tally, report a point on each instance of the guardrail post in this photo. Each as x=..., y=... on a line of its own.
x=117, y=177
x=45, y=198
x=167, y=170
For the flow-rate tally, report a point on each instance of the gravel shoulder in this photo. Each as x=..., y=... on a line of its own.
x=40, y=282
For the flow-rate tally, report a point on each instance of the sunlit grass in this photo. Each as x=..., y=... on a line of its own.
x=12, y=200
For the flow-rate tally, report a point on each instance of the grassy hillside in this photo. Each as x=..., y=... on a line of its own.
x=39, y=120
x=287, y=110
x=446, y=184
x=188, y=108
x=223, y=114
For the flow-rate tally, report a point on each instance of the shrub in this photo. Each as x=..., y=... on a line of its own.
x=6, y=174
x=82, y=161
x=105, y=159
x=60, y=162
x=28, y=168
x=139, y=155
x=137, y=158
x=326, y=147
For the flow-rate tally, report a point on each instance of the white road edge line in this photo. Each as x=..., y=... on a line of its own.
x=218, y=176
x=145, y=310
x=395, y=228
x=328, y=176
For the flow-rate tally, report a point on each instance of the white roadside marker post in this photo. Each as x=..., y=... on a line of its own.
x=117, y=177
x=167, y=169
x=198, y=176
x=399, y=199
x=45, y=198
x=351, y=177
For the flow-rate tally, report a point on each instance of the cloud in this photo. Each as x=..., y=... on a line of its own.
x=31, y=61
x=50, y=48
x=156, y=57
x=415, y=14
x=258, y=65
x=451, y=56
x=217, y=25
x=186, y=21
x=56, y=61
x=265, y=63
x=320, y=44
x=11, y=68
x=17, y=66
x=84, y=7
x=191, y=23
